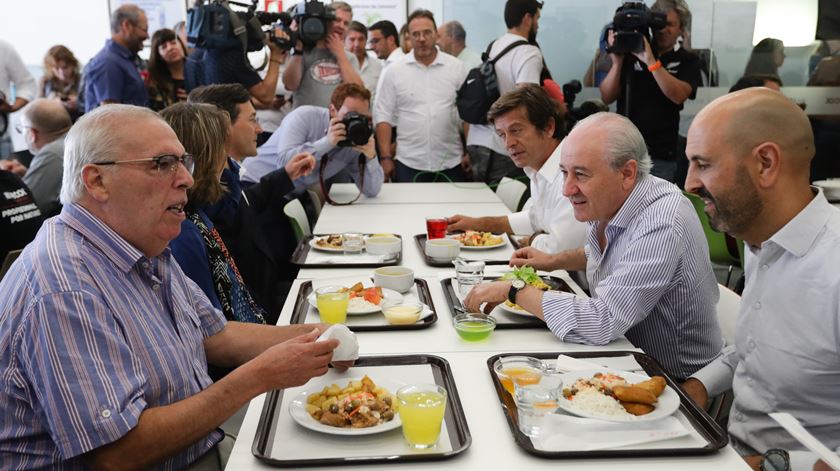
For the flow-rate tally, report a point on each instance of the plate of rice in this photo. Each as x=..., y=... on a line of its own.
x=589, y=394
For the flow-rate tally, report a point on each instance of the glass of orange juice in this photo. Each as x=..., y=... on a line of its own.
x=421, y=408
x=519, y=370
x=332, y=304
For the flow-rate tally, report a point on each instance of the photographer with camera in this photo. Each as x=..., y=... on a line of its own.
x=341, y=134
x=317, y=67
x=651, y=86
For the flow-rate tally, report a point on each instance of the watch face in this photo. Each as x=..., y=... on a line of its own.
x=518, y=284
x=775, y=460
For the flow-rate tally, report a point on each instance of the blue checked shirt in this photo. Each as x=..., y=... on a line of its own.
x=92, y=333
x=652, y=284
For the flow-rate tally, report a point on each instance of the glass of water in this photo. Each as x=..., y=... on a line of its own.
x=353, y=243
x=468, y=274
x=533, y=403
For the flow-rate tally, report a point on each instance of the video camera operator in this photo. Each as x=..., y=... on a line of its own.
x=652, y=86
x=215, y=63
x=314, y=70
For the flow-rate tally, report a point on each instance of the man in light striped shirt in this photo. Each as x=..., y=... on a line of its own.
x=646, y=257
x=104, y=342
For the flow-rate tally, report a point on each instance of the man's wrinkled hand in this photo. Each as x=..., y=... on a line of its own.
x=300, y=165
x=296, y=361
x=460, y=222
x=492, y=294
x=533, y=258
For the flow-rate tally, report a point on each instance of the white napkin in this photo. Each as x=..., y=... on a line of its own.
x=623, y=363
x=348, y=346
x=796, y=429
x=347, y=259
x=560, y=432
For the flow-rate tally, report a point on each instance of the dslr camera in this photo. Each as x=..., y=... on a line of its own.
x=359, y=129
x=632, y=22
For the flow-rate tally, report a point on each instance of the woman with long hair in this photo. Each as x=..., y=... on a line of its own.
x=199, y=249
x=166, y=70
x=61, y=79
x=766, y=58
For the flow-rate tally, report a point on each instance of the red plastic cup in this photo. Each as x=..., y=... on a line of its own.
x=436, y=228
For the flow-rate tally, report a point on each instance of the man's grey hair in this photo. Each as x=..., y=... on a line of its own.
x=129, y=12
x=95, y=138
x=456, y=30
x=623, y=141
x=338, y=5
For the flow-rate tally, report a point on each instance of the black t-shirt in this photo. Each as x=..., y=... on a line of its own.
x=229, y=65
x=656, y=116
x=20, y=217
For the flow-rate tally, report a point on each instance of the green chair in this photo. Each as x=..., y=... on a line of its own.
x=297, y=217
x=720, y=250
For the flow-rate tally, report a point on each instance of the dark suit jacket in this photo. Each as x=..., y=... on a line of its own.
x=258, y=235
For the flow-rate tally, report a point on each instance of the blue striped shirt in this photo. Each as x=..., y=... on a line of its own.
x=653, y=283
x=92, y=332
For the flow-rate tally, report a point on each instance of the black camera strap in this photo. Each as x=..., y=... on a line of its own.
x=324, y=190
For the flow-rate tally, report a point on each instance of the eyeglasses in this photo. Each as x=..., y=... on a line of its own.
x=164, y=164
x=21, y=127
x=422, y=34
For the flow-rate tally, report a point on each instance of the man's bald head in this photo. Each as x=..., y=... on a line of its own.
x=49, y=117
x=750, y=117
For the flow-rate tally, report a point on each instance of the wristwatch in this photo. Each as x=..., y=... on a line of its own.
x=775, y=460
x=515, y=286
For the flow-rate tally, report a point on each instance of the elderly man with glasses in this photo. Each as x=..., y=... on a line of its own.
x=112, y=75
x=104, y=343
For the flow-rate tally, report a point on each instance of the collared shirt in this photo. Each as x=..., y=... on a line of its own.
x=92, y=333
x=395, y=56
x=653, y=283
x=13, y=70
x=549, y=211
x=305, y=130
x=420, y=101
x=786, y=356
x=112, y=75
x=370, y=71
x=522, y=64
x=43, y=176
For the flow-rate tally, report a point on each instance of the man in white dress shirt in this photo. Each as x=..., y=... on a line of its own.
x=417, y=95
x=385, y=42
x=369, y=66
x=531, y=126
x=12, y=70
x=750, y=154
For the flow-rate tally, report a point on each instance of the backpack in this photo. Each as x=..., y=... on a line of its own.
x=481, y=87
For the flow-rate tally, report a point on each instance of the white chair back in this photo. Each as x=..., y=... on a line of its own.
x=728, y=307
x=297, y=216
x=510, y=191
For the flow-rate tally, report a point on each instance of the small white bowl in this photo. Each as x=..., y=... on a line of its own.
x=382, y=245
x=402, y=314
x=831, y=188
x=399, y=279
x=443, y=249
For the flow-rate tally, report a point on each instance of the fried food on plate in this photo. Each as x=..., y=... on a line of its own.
x=633, y=394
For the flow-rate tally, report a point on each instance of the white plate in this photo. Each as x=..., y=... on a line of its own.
x=297, y=409
x=387, y=295
x=667, y=403
x=323, y=249
x=521, y=312
x=484, y=247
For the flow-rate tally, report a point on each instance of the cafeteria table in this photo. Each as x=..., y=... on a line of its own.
x=418, y=193
x=492, y=446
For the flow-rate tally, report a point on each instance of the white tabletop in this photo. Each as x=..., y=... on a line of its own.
x=492, y=446
x=418, y=193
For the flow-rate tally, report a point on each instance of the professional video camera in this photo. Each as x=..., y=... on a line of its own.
x=216, y=25
x=359, y=129
x=632, y=22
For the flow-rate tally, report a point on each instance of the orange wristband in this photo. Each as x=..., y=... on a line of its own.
x=656, y=66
